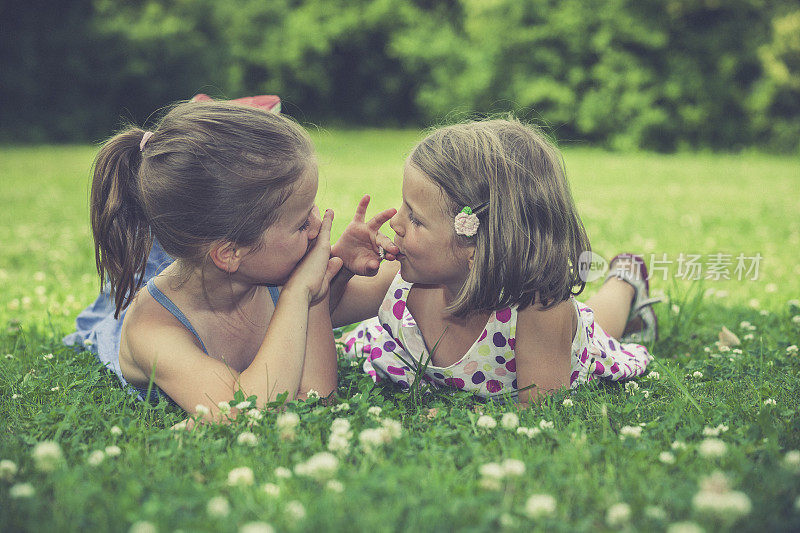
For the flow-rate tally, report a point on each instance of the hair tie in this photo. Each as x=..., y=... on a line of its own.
x=145, y=138
x=466, y=222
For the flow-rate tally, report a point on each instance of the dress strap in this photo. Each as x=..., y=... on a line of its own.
x=170, y=306
x=274, y=293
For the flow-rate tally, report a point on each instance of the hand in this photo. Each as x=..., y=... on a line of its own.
x=359, y=244
x=313, y=274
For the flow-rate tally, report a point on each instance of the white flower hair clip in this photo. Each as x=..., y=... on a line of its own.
x=466, y=222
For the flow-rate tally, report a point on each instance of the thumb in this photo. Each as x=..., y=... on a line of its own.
x=334, y=264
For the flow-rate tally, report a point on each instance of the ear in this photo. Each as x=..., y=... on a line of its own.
x=227, y=256
x=470, y=256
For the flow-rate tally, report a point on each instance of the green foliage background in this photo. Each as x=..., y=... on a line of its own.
x=625, y=74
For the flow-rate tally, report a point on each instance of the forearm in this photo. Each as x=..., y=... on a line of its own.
x=278, y=364
x=319, y=366
x=337, y=288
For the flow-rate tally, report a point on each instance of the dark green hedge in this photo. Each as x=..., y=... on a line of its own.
x=664, y=75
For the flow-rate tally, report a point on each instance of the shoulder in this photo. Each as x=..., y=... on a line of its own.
x=149, y=331
x=538, y=324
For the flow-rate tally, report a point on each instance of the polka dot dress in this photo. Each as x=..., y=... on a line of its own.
x=394, y=347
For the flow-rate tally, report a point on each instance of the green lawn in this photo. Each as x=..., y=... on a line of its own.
x=430, y=476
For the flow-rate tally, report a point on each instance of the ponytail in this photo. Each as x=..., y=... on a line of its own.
x=122, y=237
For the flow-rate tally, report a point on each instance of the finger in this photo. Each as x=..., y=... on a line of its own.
x=325, y=228
x=334, y=264
x=361, y=209
x=372, y=267
x=386, y=243
x=380, y=219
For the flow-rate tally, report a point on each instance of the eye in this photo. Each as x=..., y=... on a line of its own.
x=413, y=219
x=306, y=225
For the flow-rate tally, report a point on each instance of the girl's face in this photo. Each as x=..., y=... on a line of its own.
x=285, y=242
x=425, y=235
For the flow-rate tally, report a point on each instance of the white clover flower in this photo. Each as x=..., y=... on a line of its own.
x=340, y=407
x=8, y=469
x=9, y=356
x=513, y=467
x=47, y=356
x=747, y=337
x=567, y=402
x=654, y=375
x=224, y=407
x=493, y=470
x=47, y=455
x=241, y=477
x=373, y=438
x=254, y=415
x=697, y=374
x=618, y=514
x=712, y=448
x=180, y=426
x=667, y=458
x=509, y=421
x=201, y=410
x=55, y=389
x=540, y=506
x=283, y=473
x=392, y=427
x=21, y=490
x=340, y=425
x=143, y=526
x=793, y=303
x=711, y=432
x=796, y=319
x=792, y=460
x=374, y=411
x=339, y=442
x=486, y=422
x=654, y=512
x=678, y=445
x=334, y=485
x=14, y=396
x=731, y=504
x=312, y=394
x=631, y=387
x=747, y=325
x=96, y=457
x=295, y=510
x=243, y=405
x=115, y=430
x=218, y=506
x=287, y=420
x=271, y=489
x=645, y=393
x=113, y=451
x=320, y=466
x=791, y=350
x=546, y=424
x=633, y=432
x=88, y=343
x=247, y=438
x=528, y=432
x=684, y=527
x=770, y=401
x=256, y=527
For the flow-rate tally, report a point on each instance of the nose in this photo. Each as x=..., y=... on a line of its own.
x=395, y=224
x=315, y=223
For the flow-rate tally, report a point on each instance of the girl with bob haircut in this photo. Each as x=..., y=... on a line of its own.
x=228, y=192
x=481, y=295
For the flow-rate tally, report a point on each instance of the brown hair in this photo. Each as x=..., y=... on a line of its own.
x=211, y=171
x=530, y=235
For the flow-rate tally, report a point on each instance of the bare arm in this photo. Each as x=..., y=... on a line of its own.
x=319, y=367
x=363, y=295
x=542, y=351
x=190, y=377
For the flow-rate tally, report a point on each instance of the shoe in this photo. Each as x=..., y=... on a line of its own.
x=642, y=324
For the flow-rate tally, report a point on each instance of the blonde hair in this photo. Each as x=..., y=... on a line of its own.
x=530, y=235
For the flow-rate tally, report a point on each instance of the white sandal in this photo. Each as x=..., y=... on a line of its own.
x=642, y=324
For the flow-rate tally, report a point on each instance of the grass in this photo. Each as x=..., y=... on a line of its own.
x=429, y=477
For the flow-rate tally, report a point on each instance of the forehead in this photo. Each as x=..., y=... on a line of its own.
x=304, y=192
x=421, y=193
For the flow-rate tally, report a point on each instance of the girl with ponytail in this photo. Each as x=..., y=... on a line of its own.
x=215, y=262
